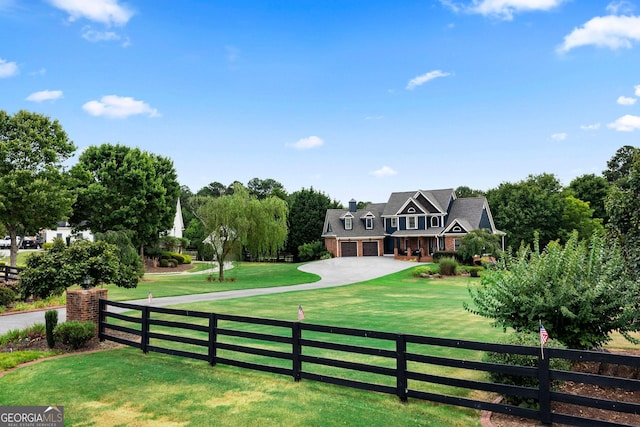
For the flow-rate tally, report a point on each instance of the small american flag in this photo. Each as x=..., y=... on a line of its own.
x=300, y=313
x=544, y=336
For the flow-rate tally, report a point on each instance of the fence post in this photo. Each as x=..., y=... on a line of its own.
x=102, y=318
x=544, y=391
x=213, y=338
x=401, y=367
x=296, y=335
x=144, y=343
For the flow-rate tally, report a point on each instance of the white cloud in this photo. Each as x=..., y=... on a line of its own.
x=45, y=95
x=108, y=12
x=384, y=171
x=594, y=126
x=307, y=143
x=374, y=117
x=92, y=35
x=8, y=69
x=503, y=9
x=626, y=123
x=610, y=31
x=625, y=100
x=560, y=136
x=420, y=80
x=119, y=107
x=40, y=72
x=619, y=7
x=637, y=90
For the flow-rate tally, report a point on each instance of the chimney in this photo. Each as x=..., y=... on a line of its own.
x=352, y=205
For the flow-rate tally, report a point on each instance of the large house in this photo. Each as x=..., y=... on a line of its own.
x=410, y=225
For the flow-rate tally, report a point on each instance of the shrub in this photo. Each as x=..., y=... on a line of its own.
x=187, y=258
x=448, y=266
x=525, y=339
x=437, y=256
x=179, y=258
x=75, y=334
x=311, y=251
x=163, y=262
x=7, y=296
x=47, y=245
x=474, y=271
x=51, y=321
x=422, y=270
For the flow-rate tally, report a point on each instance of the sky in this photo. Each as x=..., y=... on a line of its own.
x=354, y=98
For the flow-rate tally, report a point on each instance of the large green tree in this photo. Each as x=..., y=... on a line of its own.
x=521, y=209
x=623, y=208
x=620, y=164
x=578, y=216
x=238, y=221
x=263, y=188
x=34, y=192
x=593, y=189
x=578, y=291
x=122, y=188
x=307, y=209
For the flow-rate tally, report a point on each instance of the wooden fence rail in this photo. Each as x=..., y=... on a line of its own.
x=391, y=363
x=8, y=273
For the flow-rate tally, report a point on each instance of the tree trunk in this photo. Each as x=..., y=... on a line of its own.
x=220, y=269
x=13, y=250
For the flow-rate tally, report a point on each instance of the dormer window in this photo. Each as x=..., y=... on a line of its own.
x=411, y=210
x=457, y=229
x=368, y=223
x=348, y=223
x=435, y=221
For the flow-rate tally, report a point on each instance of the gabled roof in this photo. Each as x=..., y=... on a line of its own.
x=470, y=213
x=440, y=200
x=334, y=227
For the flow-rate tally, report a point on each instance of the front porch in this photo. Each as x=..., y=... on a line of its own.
x=416, y=248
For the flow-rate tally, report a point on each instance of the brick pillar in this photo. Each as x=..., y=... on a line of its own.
x=83, y=305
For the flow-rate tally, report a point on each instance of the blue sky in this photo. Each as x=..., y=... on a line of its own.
x=354, y=98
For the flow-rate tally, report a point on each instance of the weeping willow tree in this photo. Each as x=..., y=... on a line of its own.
x=579, y=291
x=240, y=221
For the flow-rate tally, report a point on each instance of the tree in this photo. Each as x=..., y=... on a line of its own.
x=592, y=189
x=529, y=206
x=121, y=188
x=51, y=272
x=479, y=242
x=623, y=208
x=578, y=216
x=263, y=188
x=578, y=292
x=307, y=209
x=34, y=191
x=215, y=189
x=464, y=191
x=131, y=266
x=619, y=165
x=239, y=220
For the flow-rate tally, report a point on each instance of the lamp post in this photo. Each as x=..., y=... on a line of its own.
x=86, y=283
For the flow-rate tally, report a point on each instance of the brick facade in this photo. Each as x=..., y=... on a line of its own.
x=84, y=305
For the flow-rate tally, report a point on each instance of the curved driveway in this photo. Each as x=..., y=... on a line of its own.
x=333, y=272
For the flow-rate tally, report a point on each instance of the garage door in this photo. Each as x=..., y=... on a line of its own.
x=370, y=248
x=349, y=249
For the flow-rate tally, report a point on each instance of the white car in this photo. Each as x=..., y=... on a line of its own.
x=6, y=242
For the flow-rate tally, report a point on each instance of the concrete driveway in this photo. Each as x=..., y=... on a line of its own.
x=334, y=272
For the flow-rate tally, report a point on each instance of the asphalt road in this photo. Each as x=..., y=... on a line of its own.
x=334, y=272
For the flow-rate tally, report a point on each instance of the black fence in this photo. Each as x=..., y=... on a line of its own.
x=397, y=364
x=8, y=273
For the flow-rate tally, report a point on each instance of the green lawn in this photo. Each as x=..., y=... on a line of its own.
x=245, y=275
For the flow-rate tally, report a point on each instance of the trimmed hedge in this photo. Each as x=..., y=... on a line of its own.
x=7, y=296
x=75, y=334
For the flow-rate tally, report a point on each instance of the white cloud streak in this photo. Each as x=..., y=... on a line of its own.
x=625, y=100
x=612, y=31
x=560, y=136
x=502, y=9
x=119, y=107
x=637, y=90
x=8, y=69
x=424, y=78
x=108, y=12
x=384, y=172
x=45, y=95
x=594, y=126
x=626, y=123
x=307, y=143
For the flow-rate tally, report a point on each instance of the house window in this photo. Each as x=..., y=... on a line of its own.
x=456, y=228
x=411, y=210
x=348, y=224
x=394, y=222
x=435, y=221
x=441, y=244
x=412, y=222
x=456, y=244
x=59, y=236
x=368, y=223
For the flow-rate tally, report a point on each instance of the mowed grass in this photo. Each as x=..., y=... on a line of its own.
x=134, y=388
x=245, y=275
x=125, y=387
